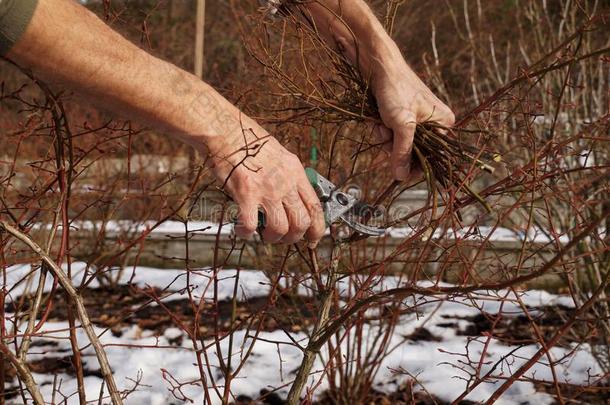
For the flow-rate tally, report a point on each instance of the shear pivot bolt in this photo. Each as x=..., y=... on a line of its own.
x=342, y=199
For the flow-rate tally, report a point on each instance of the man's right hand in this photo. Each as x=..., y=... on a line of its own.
x=260, y=174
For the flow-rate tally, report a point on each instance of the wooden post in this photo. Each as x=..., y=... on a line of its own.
x=199, y=60
x=200, y=38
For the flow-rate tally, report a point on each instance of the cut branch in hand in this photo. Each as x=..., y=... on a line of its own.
x=328, y=88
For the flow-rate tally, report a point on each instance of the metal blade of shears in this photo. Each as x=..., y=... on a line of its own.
x=339, y=206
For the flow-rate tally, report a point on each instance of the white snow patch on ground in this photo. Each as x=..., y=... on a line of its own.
x=491, y=234
x=167, y=227
x=175, y=228
x=274, y=358
x=251, y=283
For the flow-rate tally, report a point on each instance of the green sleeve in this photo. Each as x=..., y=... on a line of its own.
x=15, y=15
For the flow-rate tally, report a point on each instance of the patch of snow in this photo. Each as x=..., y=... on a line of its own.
x=172, y=333
x=175, y=228
x=165, y=228
x=160, y=359
x=199, y=282
x=499, y=234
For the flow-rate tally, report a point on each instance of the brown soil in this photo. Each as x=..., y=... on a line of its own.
x=595, y=395
x=124, y=306
x=47, y=365
x=404, y=395
x=515, y=330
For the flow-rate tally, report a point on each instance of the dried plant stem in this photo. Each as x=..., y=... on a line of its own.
x=60, y=121
x=24, y=374
x=449, y=161
x=333, y=326
x=310, y=352
x=33, y=313
x=80, y=308
x=391, y=10
x=565, y=328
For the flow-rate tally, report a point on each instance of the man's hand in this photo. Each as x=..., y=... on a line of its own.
x=403, y=99
x=260, y=174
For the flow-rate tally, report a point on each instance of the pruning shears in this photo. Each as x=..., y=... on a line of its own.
x=342, y=207
x=338, y=206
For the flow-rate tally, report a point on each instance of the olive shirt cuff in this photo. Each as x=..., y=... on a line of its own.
x=15, y=15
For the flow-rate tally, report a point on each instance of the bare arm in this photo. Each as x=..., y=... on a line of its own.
x=66, y=43
x=403, y=99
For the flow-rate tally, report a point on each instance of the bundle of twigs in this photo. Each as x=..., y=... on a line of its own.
x=444, y=159
x=331, y=88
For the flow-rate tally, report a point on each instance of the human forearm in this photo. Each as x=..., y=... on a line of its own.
x=354, y=27
x=66, y=43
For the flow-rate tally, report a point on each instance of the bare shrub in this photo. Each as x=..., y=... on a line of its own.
x=530, y=85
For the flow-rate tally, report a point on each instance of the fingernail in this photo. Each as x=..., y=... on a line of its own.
x=312, y=245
